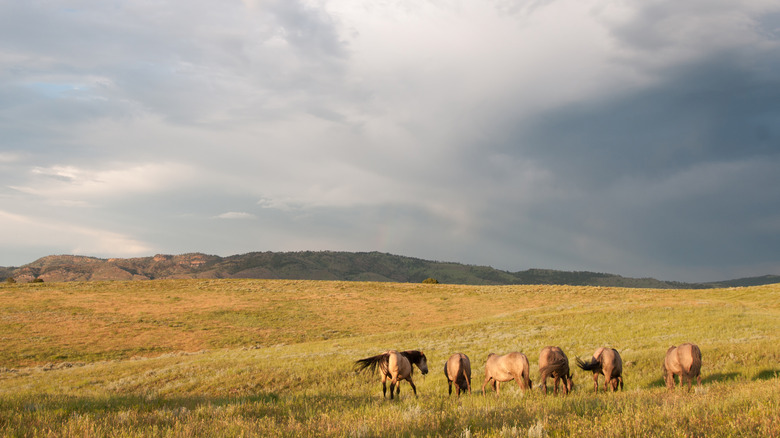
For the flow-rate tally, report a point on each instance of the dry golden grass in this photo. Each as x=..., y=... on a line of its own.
x=114, y=320
x=297, y=376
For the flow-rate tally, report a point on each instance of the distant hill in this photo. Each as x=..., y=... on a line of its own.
x=323, y=265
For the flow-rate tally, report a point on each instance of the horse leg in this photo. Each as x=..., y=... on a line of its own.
x=393, y=384
x=449, y=382
x=414, y=388
x=544, y=385
x=497, y=385
x=384, y=389
x=596, y=382
x=487, y=379
x=555, y=385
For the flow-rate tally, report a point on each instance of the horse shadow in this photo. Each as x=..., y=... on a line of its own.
x=767, y=374
x=719, y=377
x=657, y=383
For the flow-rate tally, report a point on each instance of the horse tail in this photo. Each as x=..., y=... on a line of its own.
x=527, y=378
x=372, y=362
x=593, y=364
x=557, y=366
x=695, y=360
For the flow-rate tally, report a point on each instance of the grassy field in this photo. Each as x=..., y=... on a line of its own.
x=275, y=358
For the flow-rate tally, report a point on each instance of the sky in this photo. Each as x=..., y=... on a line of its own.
x=634, y=137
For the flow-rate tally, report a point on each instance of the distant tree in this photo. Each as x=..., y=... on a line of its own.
x=431, y=280
x=37, y=280
x=10, y=280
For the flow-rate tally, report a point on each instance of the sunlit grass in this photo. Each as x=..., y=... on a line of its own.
x=270, y=358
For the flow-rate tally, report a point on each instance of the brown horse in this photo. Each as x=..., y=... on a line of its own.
x=684, y=361
x=505, y=368
x=458, y=369
x=605, y=361
x=395, y=366
x=554, y=363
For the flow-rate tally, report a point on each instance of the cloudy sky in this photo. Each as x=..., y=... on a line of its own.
x=636, y=137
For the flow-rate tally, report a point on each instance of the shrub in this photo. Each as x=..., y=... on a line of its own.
x=431, y=280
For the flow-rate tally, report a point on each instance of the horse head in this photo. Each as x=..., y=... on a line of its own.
x=422, y=364
x=418, y=358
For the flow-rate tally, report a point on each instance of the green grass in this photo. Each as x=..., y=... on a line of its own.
x=274, y=358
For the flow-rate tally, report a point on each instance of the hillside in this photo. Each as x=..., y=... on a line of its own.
x=323, y=265
x=237, y=358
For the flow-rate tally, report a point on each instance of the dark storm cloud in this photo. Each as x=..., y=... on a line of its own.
x=712, y=111
x=685, y=172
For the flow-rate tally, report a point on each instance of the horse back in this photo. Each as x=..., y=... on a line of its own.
x=398, y=366
x=515, y=363
x=507, y=367
x=553, y=361
x=689, y=357
x=611, y=362
x=456, y=364
x=551, y=355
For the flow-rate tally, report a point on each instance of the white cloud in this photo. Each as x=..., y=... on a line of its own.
x=76, y=184
x=236, y=215
x=20, y=231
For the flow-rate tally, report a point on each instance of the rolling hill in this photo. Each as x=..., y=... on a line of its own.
x=323, y=265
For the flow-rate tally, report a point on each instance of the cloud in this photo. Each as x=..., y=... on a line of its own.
x=236, y=215
x=69, y=182
x=30, y=235
x=627, y=137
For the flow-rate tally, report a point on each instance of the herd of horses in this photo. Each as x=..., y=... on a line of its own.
x=396, y=366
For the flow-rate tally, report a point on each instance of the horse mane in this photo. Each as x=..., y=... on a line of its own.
x=414, y=356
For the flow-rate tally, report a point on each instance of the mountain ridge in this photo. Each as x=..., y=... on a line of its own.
x=325, y=265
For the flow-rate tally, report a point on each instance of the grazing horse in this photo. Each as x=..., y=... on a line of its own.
x=458, y=369
x=554, y=363
x=505, y=368
x=395, y=366
x=605, y=361
x=685, y=361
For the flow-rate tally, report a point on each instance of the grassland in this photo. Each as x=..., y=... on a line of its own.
x=274, y=358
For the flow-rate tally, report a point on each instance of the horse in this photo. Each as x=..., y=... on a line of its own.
x=458, y=369
x=554, y=363
x=684, y=361
x=505, y=368
x=395, y=366
x=605, y=361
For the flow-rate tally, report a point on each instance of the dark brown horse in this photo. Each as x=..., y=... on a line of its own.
x=457, y=369
x=505, y=368
x=684, y=361
x=605, y=361
x=554, y=363
x=395, y=366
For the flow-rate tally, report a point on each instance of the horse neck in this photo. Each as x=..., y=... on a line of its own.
x=413, y=356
